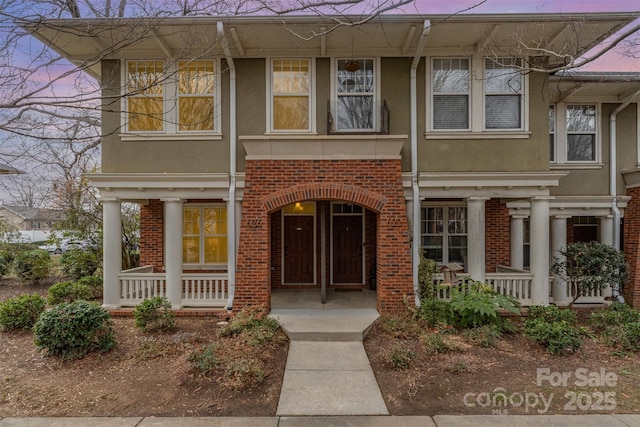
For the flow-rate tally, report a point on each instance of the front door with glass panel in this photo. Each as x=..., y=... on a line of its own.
x=347, y=249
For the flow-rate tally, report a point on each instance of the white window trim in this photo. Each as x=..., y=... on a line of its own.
x=377, y=103
x=561, y=138
x=476, y=104
x=203, y=265
x=445, y=244
x=524, y=106
x=171, y=112
x=312, y=99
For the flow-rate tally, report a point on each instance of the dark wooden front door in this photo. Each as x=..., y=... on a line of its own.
x=298, y=249
x=347, y=249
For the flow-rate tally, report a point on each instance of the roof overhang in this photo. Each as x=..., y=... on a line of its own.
x=593, y=86
x=86, y=41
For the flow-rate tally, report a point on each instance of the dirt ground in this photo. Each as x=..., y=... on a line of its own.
x=147, y=375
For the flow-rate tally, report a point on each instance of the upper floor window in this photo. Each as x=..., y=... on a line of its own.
x=573, y=133
x=356, y=94
x=581, y=133
x=290, y=95
x=451, y=89
x=502, y=93
x=145, y=100
x=171, y=97
x=196, y=95
x=204, y=235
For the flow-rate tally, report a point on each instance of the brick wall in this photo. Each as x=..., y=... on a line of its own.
x=152, y=234
x=631, y=290
x=374, y=184
x=497, y=239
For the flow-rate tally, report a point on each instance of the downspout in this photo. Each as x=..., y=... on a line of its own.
x=415, y=216
x=613, y=179
x=231, y=208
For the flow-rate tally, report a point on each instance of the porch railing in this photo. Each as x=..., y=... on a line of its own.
x=198, y=290
x=592, y=296
x=516, y=285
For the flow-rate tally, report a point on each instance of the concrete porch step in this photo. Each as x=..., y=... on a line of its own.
x=325, y=325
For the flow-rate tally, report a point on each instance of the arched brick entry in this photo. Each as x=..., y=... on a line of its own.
x=374, y=184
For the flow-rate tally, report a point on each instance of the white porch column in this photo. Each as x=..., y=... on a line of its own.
x=111, y=251
x=516, y=243
x=173, y=250
x=539, y=241
x=558, y=242
x=607, y=238
x=476, y=237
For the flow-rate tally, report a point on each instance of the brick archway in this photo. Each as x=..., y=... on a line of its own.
x=374, y=184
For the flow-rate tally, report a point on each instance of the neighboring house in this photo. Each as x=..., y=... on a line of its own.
x=28, y=219
x=265, y=160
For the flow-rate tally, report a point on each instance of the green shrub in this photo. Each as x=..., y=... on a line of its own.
x=69, y=292
x=203, y=360
x=437, y=343
x=32, y=266
x=94, y=283
x=20, y=312
x=435, y=311
x=6, y=261
x=253, y=325
x=619, y=326
x=483, y=336
x=554, y=329
x=79, y=263
x=154, y=314
x=478, y=305
x=73, y=330
x=400, y=357
x=245, y=371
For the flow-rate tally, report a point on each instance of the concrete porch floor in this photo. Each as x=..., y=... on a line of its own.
x=310, y=299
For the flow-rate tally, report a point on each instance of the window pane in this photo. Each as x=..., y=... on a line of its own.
x=290, y=76
x=196, y=113
x=144, y=77
x=581, y=147
x=458, y=249
x=451, y=75
x=355, y=112
x=502, y=75
x=360, y=81
x=552, y=148
x=552, y=119
x=581, y=118
x=145, y=113
x=457, y=220
x=432, y=247
x=451, y=112
x=215, y=250
x=197, y=77
x=291, y=112
x=502, y=111
x=191, y=249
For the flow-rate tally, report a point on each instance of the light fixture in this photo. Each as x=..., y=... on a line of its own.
x=352, y=65
x=298, y=207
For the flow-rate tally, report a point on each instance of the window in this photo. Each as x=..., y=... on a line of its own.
x=443, y=233
x=573, y=134
x=204, y=235
x=502, y=93
x=290, y=89
x=145, y=101
x=581, y=133
x=552, y=134
x=192, y=87
x=451, y=93
x=355, y=94
x=196, y=89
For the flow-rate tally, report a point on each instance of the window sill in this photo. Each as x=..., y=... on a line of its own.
x=575, y=166
x=204, y=267
x=477, y=135
x=130, y=137
x=290, y=133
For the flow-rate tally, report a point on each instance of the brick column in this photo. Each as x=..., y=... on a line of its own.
x=631, y=289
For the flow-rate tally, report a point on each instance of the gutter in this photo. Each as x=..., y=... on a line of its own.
x=613, y=179
x=415, y=214
x=231, y=208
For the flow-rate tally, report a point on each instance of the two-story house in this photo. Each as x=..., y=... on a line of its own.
x=284, y=152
